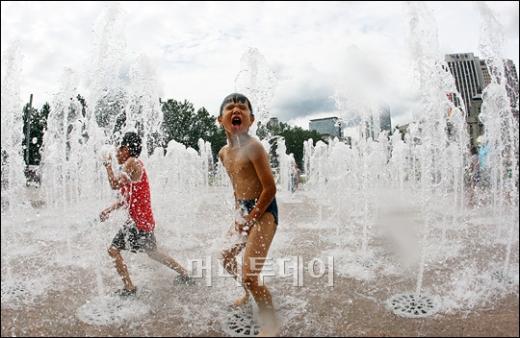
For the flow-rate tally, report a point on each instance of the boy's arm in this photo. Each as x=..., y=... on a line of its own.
x=131, y=171
x=116, y=181
x=260, y=162
x=116, y=205
x=105, y=213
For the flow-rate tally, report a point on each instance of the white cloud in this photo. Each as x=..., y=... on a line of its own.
x=196, y=47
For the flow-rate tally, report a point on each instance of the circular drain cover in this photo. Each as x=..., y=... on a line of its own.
x=240, y=323
x=107, y=310
x=411, y=305
x=14, y=290
x=502, y=277
x=365, y=262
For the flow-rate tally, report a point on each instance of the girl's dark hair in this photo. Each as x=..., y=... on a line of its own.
x=132, y=141
x=235, y=98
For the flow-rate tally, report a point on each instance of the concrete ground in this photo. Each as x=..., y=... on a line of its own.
x=46, y=292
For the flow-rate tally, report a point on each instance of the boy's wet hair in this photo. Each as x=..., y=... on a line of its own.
x=132, y=141
x=236, y=98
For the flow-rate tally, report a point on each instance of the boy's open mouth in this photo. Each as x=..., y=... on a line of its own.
x=236, y=121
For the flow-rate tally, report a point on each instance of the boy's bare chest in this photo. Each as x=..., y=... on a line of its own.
x=237, y=163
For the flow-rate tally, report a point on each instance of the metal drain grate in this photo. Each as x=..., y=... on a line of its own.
x=411, y=305
x=366, y=262
x=241, y=323
x=14, y=290
x=108, y=310
x=501, y=277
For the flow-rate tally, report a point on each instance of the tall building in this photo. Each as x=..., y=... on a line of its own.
x=328, y=126
x=466, y=69
x=512, y=85
x=486, y=77
x=471, y=77
x=376, y=125
x=273, y=122
x=386, y=120
x=475, y=127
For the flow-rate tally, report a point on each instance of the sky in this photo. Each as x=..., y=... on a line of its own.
x=314, y=49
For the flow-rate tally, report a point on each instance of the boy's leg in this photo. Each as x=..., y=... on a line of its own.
x=160, y=256
x=257, y=247
x=229, y=259
x=121, y=268
x=230, y=264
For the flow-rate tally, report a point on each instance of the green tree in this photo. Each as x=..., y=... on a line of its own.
x=83, y=103
x=293, y=136
x=217, y=140
x=36, y=121
x=109, y=111
x=185, y=125
x=177, y=117
x=203, y=126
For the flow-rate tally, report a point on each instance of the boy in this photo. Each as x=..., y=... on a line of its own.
x=247, y=165
x=137, y=233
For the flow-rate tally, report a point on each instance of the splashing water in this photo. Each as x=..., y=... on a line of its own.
x=391, y=209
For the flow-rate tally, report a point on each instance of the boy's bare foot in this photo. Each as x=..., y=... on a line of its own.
x=270, y=327
x=126, y=292
x=184, y=280
x=241, y=301
x=270, y=330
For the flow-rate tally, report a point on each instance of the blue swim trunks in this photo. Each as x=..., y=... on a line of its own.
x=248, y=205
